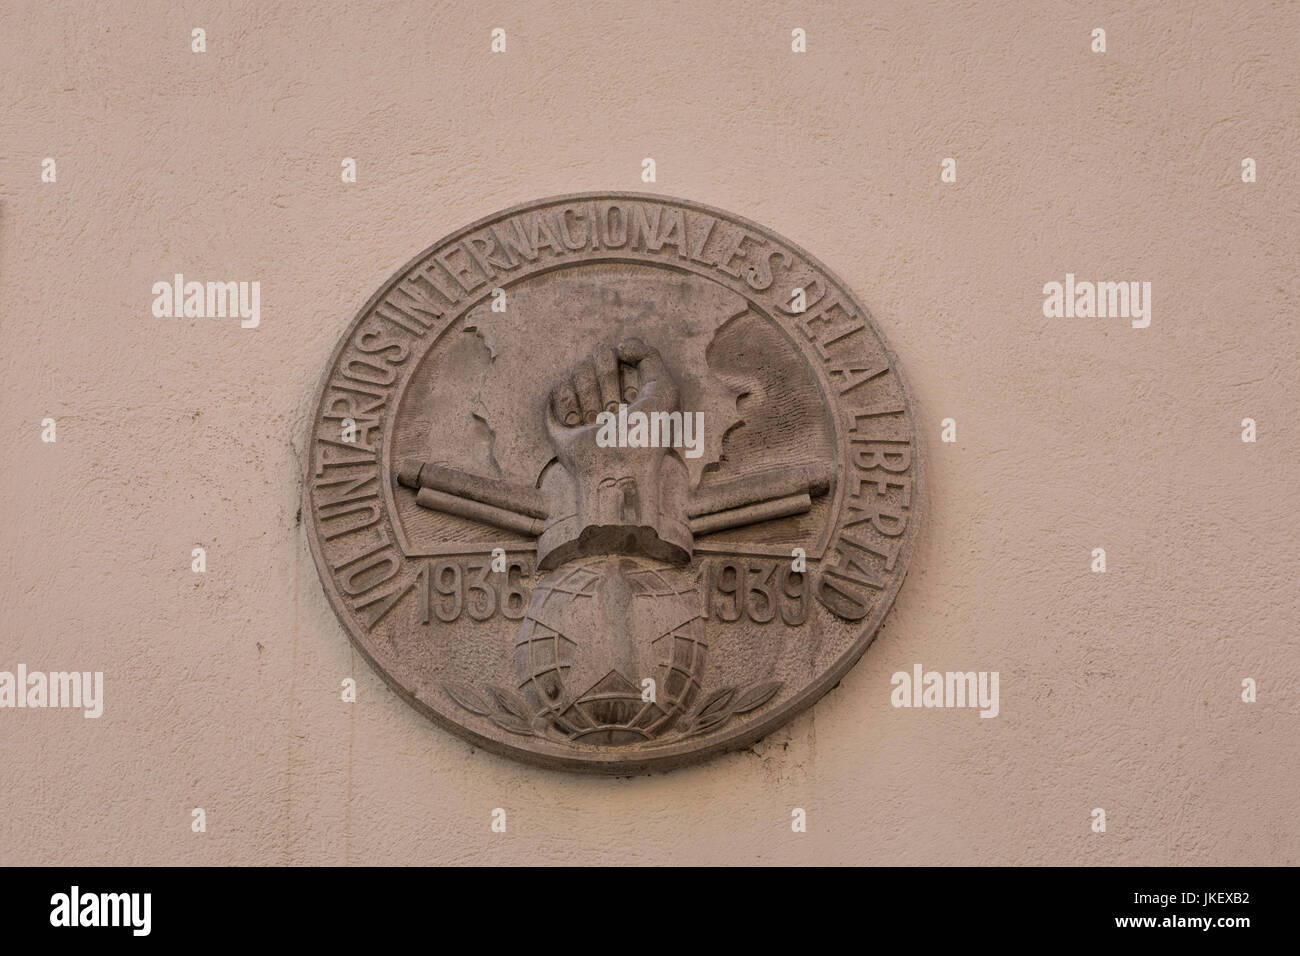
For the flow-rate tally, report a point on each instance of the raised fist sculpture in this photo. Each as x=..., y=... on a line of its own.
x=613, y=525
x=611, y=499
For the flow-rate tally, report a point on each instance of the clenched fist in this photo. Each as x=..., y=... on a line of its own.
x=625, y=500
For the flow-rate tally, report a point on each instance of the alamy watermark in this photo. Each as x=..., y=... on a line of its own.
x=74, y=908
x=638, y=429
x=72, y=689
x=179, y=299
x=1100, y=300
x=950, y=689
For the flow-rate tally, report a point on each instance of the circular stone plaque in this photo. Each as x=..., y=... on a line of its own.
x=612, y=482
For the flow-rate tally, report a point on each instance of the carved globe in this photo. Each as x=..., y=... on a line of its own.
x=595, y=628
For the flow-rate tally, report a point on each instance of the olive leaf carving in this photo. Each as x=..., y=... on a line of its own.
x=721, y=705
x=503, y=707
x=755, y=697
x=715, y=702
x=512, y=723
x=468, y=698
x=510, y=702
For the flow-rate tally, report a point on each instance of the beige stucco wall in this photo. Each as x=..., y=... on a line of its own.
x=1119, y=691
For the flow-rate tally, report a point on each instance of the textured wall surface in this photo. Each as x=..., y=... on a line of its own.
x=1119, y=690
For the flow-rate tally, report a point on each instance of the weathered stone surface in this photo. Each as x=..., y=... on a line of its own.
x=612, y=482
